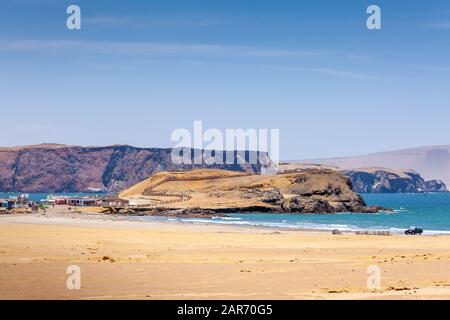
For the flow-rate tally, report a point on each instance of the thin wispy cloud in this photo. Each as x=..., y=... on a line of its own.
x=102, y=20
x=359, y=57
x=186, y=51
x=148, y=48
x=430, y=68
x=439, y=25
x=344, y=73
x=438, y=13
x=329, y=71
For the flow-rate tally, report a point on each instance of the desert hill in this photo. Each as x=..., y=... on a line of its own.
x=309, y=191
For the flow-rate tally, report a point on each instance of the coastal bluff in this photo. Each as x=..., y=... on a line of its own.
x=218, y=191
x=378, y=179
x=382, y=180
x=63, y=168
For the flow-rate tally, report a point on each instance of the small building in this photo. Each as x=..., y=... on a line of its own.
x=48, y=202
x=55, y=200
x=61, y=201
x=82, y=201
x=3, y=203
x=11, y=204
x=23, y=198
x=114, y=202
x=19, y=201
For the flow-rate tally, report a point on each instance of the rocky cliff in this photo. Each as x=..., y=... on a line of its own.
x=217, y=191
x=379, y=180
x=431, y=162
x=60, y=168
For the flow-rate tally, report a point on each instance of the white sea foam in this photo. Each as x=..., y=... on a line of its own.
x=225, y=218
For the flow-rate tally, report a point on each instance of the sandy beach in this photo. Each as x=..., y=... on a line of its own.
x=163, y=260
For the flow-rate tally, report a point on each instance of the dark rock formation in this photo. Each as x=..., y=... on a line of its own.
x=392, y=181
x=59, y=168
x=435, y=186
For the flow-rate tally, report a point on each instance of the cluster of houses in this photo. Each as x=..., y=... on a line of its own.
x=86, y=201
x=16, y=202
x=22, y=201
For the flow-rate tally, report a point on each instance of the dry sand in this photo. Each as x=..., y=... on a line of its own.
x=153, y=260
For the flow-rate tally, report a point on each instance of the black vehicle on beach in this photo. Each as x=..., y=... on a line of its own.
x=414, y=231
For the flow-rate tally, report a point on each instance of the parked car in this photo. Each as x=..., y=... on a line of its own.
x=414, y=231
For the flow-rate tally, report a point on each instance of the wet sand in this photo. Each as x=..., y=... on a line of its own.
x=156, y=260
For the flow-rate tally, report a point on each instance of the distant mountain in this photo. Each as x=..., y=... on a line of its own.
x=432, y=163
x=380, y=180
x=376, y=180
x=60, y=168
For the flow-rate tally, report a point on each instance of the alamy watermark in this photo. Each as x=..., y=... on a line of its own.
x=234, y=146
x=374, y=278
x=73, y=281
x=73, y=21
x=374, y=20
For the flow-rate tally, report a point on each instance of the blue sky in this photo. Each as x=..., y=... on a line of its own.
x=137, y=70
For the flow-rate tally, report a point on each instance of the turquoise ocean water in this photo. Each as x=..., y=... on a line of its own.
x=429, y=211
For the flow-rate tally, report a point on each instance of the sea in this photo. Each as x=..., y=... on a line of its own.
x=430, y=211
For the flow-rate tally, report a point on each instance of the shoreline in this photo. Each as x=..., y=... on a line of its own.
x=135, y=220
x=90, y=220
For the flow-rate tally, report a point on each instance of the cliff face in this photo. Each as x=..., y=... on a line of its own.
x=392, y=181
x=218, y=191
x=59, y=168
x=432, y=162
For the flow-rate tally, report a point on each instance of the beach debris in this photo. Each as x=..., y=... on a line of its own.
x=373, y=233
x=108, y=258
x=338, y=291
x=400, y=288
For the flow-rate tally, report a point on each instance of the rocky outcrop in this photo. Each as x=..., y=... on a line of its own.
x=378, y=180
x=435, y=186
x=60, y=168
x=206, y=191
